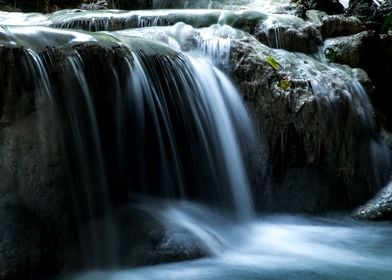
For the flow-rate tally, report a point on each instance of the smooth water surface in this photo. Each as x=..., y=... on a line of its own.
x=283, y=247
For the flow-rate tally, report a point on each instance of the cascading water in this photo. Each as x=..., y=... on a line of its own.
x=156, y=143
x=181, y=135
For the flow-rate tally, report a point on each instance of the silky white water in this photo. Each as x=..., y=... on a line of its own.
x=272, y=247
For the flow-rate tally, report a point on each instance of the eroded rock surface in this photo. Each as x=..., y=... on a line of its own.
x=379, y=208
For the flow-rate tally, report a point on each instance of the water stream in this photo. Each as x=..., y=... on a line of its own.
x=165, y=132
x=274, y=247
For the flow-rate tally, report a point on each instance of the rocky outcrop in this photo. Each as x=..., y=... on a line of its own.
x=372, y=13
x=379, y=208
x=367, y=50
x=313, y=154
x=335, y=25
x=349, y=50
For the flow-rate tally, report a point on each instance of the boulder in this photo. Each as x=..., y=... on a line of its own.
x=145, y=240
x=349, y=50
x=339, y=25
x=379, y=208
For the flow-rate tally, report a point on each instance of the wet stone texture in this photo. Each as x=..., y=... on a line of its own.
x=314, y=165
x=379, y=208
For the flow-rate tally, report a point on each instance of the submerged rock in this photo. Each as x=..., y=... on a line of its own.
x=379, y=208
x=144, y=240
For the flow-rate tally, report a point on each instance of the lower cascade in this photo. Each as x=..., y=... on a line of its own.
x=231, y=136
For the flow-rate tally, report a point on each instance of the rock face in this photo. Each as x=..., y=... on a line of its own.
x=288, y=32
x=379, y=208
x=27, y=247
x=370, y=13
x=34, y=199
x=313, y=166
x=367, y=50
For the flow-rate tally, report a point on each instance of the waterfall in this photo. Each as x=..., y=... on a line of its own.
x=170, y=126
x=129, y=145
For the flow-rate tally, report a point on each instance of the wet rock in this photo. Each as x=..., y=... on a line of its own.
x=26, y=248
x=96, y=21
x=373, y=53
x=99, y=5
x=373, y=15
x=331, y=7
x=349, y=50
x=378, y=208
x=144, y=240
x=245, y=20
x=339, y=25
x=307, y=169
x=290, y=33
x=36, y=143
x=336, y=25
x=200, y=4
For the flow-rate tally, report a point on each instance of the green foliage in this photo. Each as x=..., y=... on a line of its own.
x=387, y=25
x=284, y=83
x=272, y=62
x=330, y=54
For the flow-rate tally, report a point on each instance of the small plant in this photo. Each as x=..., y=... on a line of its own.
x=284, y=82
x=272, y=62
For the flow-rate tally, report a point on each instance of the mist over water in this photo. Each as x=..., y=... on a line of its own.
x=273, y=247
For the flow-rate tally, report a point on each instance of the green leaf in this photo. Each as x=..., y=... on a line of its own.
x=272, y=62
